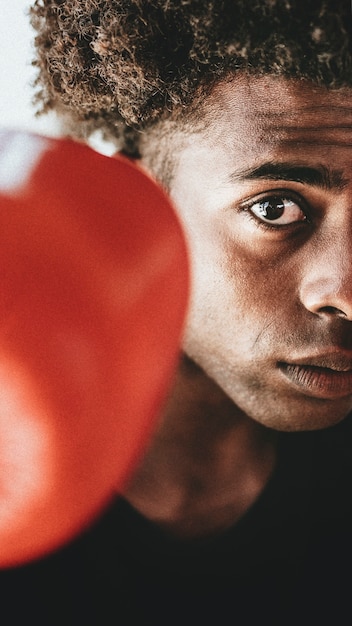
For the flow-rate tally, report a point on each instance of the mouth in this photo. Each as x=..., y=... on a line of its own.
x=325, y=376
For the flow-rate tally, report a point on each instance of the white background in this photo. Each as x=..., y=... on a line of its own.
x=16, y=72
x=17, y=76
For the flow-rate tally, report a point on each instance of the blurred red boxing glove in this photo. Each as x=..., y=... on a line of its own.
x=93, y=290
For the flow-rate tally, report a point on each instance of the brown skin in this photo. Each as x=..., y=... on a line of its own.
x=269, y=325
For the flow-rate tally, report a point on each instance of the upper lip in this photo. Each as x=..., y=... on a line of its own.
x=338, y=362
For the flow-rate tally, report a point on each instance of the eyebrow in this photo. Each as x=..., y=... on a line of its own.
x=319, y=176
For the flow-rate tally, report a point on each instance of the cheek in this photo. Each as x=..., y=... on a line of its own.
x=231, y=300
x=240, y=287
x=242, y=305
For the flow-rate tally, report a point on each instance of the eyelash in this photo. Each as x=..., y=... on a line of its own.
x=279, y=194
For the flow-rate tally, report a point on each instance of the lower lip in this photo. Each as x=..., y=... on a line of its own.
x=319, y=382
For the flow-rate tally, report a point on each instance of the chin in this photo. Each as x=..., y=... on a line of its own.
x=321, y=418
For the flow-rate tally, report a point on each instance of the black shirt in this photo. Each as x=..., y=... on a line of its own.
x=287, y=562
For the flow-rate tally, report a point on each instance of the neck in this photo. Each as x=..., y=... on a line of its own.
x=207, y=463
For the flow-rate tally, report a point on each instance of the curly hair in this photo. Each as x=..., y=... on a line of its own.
x=122, y=65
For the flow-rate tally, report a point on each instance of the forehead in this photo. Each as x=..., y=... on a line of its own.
x=251, y=129
x=270, y=112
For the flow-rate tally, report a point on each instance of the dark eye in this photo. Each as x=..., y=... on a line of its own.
x=277, y=210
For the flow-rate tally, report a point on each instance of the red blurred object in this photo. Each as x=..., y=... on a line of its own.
x=93, y=294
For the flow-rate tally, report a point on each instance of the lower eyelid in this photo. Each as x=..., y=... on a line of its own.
x=282, y=196
x=271, y=226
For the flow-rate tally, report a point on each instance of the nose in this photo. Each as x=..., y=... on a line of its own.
x=326, y=288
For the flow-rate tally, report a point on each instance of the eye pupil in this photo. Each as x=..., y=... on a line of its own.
x=271, y=209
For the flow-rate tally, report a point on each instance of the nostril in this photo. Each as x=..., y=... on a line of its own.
x=331, y=310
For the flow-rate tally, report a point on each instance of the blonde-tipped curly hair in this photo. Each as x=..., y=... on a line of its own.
x=121, y=65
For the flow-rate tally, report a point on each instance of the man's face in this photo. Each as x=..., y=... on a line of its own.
x=265, y=196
